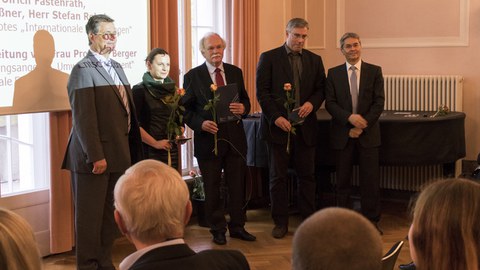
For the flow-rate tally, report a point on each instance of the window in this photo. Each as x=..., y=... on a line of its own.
x=197, y=17
x=24, y=153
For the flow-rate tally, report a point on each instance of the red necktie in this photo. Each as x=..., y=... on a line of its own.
x=218, y=77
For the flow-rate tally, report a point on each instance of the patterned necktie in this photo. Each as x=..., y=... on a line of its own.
x=354, y=89
x=121, y=88
x=218, y=77
x=296, y=62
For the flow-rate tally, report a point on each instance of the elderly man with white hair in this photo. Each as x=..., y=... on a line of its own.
x=152, y=208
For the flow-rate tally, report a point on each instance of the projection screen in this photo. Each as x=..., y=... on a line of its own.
x=43, y=39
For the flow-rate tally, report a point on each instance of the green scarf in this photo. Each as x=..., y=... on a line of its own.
x=157, y=89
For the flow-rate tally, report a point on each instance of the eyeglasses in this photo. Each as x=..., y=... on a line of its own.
x=107, y=36
x=350, y=46
x=299, y=36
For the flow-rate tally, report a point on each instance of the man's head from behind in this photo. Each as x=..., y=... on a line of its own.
x=335, y=239
x=152, y=203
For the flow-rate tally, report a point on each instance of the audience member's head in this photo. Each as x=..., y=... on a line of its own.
x=336, y=238
x=152, y=203
x=445, y=232
x=18, y=249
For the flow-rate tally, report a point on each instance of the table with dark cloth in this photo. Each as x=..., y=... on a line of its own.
x=408, y=138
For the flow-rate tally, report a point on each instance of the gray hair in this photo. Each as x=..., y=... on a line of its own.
x=296, y=23
x=207, y=35
x=348, y=35
x=151, y=198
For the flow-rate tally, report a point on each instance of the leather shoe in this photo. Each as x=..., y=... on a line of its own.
x=243, y=234
x=219, y=238
x=408, y=266
x=279, y=231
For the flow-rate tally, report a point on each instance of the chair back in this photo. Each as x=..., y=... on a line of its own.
x=389, y=259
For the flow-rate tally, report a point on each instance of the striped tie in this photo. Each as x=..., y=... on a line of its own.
x=120, y=87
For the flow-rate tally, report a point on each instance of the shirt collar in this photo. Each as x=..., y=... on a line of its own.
x=101, y=58
x=132, y=258
x=357, y=65
x=211, y=68
x=289, y=51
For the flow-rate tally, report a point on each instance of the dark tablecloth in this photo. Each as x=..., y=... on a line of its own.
x=408, y=138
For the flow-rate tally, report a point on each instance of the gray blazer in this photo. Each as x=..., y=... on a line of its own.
x=99, y=119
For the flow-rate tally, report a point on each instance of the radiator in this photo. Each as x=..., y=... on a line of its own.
x=419, y=93
x=423, y=92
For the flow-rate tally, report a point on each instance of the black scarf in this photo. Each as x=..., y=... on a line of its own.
x=157, y=89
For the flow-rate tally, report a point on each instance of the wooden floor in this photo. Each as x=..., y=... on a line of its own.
x=267, y=253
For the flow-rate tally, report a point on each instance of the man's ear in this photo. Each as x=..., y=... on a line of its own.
x=119, y=221
x=188, y=212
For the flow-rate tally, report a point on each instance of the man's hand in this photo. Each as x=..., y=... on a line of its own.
x=237, y=108
x=305, y=109
x=99, y=166
x=283, y=123
x=210, y=127
x=357, y=121
x=355, y=132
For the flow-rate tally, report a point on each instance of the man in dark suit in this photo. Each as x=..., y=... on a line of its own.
x=290, y=64
x=103, y=143
x=152, y=207
x=355, y=99
x=229, y=155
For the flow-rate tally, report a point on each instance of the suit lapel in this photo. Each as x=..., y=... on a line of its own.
x=364, y=70
x=345, y=84
x=285, y=64
x=205, y=77
x=100, y=69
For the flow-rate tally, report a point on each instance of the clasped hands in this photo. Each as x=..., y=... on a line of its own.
x=303, y=112
x=359, y=124
x=211, y=127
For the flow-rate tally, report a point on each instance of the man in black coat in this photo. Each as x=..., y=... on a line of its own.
x=218, y=146
x=290, y=64
x=152, y=207
x=355, y=99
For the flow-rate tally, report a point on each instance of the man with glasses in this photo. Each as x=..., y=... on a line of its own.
x=104, y=142
x=355, y=99
x=290, y=78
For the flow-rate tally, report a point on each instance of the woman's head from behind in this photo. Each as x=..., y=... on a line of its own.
x=18, y=249
x=445, y=232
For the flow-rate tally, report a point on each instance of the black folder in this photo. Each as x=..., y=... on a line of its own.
x=294, y=118
x=227, y=94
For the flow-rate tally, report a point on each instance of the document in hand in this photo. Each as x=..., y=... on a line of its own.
x=228, y=94
x=294, y=118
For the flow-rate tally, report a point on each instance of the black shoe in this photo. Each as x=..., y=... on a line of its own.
x=219, y=238
x=408, y=266
x=279, y=231
x=242, y=234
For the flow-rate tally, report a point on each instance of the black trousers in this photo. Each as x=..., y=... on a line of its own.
x=233, y=166
x=369, y=172
x=303, y=157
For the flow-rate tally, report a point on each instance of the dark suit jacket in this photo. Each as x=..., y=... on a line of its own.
x=197, y=85
x=370, y=104
x=100, y=128
x=181, y=257
x=273, y=71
